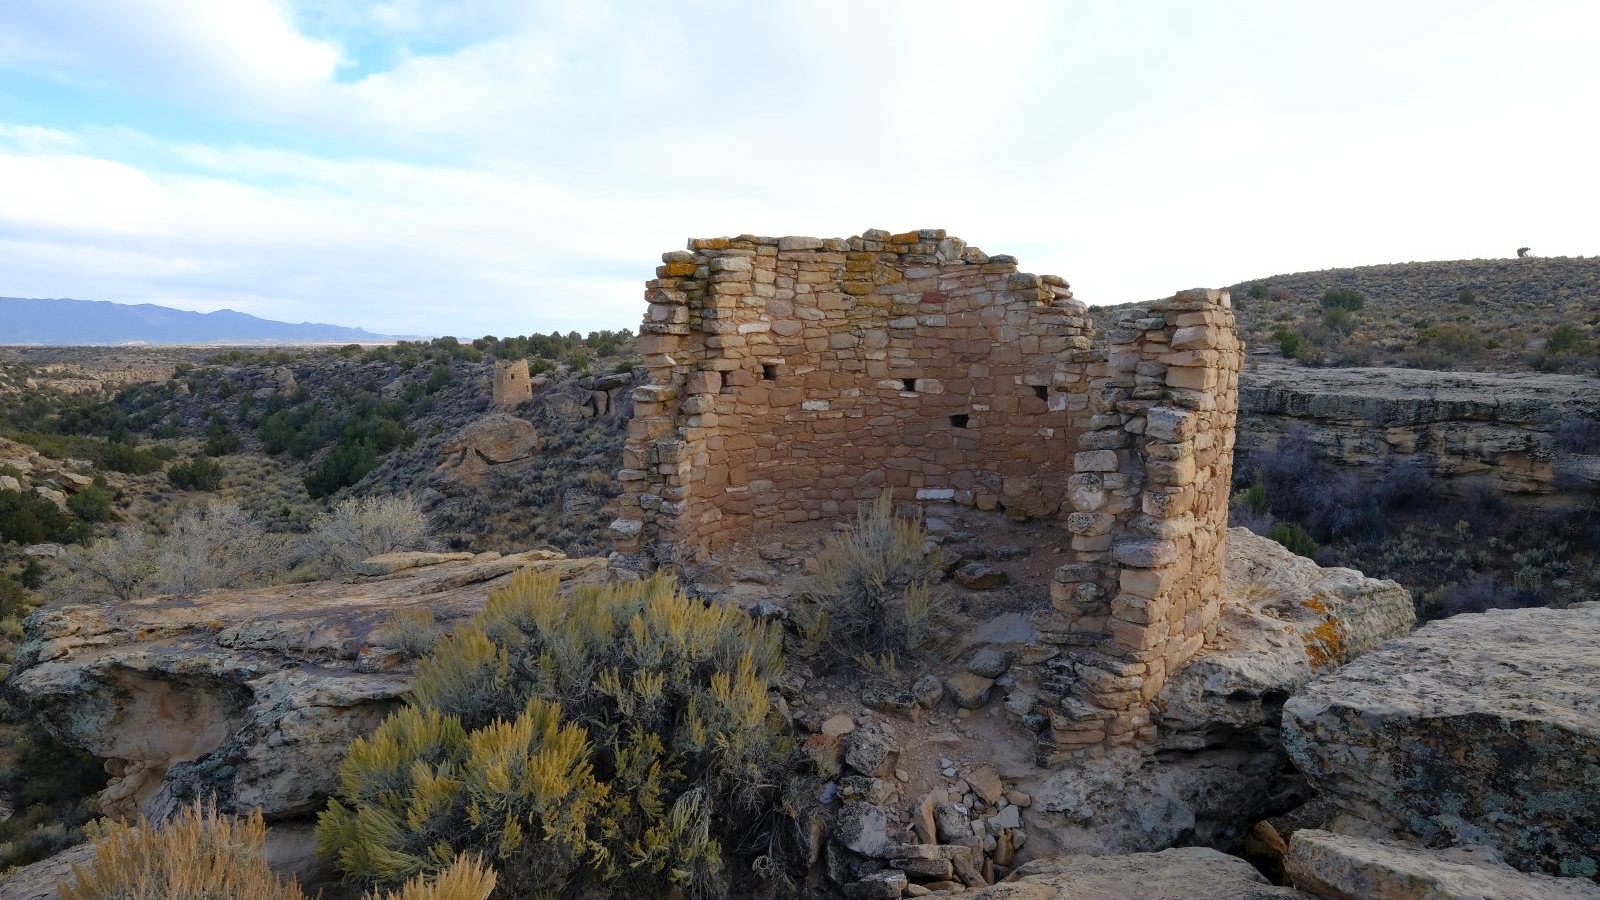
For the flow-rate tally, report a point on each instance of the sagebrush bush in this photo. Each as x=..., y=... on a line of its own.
x=1294, y=538
x=204, y=855
x=360, y=527
x=198, y=855
x=872, y=593
x=619, y=739
x=210, y=545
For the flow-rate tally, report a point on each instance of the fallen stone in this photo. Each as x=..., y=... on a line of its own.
x=985, y=782
x=888, y=884
x=951, y=823
x=870, y=753
x=862, y=828
x=989, y=662
x=1340, y=867
x=929, y=690
x=1480, y=729
x=968, y=690
x=839, y=725
x=975, y=576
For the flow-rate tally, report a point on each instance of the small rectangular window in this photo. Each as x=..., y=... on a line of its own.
x=769, y=372
x=959, y=420
x=1041, y=391
x=910, y=383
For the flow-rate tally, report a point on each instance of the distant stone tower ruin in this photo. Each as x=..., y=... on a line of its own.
x=512, y=384
x=790, y=378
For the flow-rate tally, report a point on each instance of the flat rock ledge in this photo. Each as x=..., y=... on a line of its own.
x=1184, y=873
x=253, y=695
x=1342, y=867
x=1478, y=730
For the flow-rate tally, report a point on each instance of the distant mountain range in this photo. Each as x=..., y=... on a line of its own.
x=80, y=322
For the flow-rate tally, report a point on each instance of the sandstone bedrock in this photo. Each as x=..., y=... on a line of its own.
x=1475, y=730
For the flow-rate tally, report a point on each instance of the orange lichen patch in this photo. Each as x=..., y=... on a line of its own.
x=1328, y=644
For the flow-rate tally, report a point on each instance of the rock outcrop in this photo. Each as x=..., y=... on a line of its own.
x=494, y=440
x=253, y=695
x=1218, y=764
x=1185, y=873
x=1476, y=730
x=1342, y=867
x=1463, y=427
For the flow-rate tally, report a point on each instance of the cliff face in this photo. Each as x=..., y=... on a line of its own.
x=1463, y=427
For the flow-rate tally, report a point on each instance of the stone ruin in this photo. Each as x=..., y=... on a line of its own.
x=512, y=384
x=790, y=378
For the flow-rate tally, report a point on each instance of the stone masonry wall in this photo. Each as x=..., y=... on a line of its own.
x=512, y=384
x=789, y=378
x=1150, y=516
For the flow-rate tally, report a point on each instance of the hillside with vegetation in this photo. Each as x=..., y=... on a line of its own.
x=1529, y=314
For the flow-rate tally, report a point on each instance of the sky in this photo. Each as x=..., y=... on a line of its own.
x=476, y=167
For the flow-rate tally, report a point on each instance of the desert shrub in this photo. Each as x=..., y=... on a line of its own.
x=1566, y=338
x=411, y=631
x=359, y=527
x=1295, y=538
x=203, y=855
x=28, y=518
x=1279, y=294
x=1452, y=342
x=1288, y=342
x=1473, y=594
x=1578, y=434
x=1347, y=299
x=199, y=474
x=221, y=439
x=619, y=741
x=198, y=855
x=872, y=593
x=1467, y=295
x=93, y=503
x=343, y=466
x=210, y=545
x=1255, y=497
x=1338, y=318
x=1258, y=291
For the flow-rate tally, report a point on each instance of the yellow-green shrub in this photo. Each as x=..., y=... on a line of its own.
x=614, y=739
x=203, y=855
x=872, y=595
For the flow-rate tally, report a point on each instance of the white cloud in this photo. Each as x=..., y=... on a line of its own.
x=512, y=167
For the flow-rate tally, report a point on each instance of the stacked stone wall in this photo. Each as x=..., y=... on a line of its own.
x=789, y=378
x=792, y=377
x=1150, y=517
x=512, y=384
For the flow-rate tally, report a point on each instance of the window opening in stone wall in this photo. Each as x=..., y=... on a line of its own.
x=769, y=372
x=910, y=383
x=1041, y=391
x=959, y=420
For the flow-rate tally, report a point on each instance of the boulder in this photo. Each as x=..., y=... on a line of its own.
x=1218, y=765
x=496, y=439
x=10, y=483
x=1185, y=873
x=44, y=879
x=1341, y=867
x=968, y=690
x=1480, y=729
x=252, y=695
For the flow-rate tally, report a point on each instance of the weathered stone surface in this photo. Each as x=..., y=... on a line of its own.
x=1341, y=867
x=975, y=576
x=969, y=690
x=253, y=695
x=390, y=563
x=989, y=662
x=1186, y=873
x=877, y=885
x=43, y=880
x=1220, y=766
x=1462, y=426
x=1479, y=729
x=863, y=828
x=496, y=439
